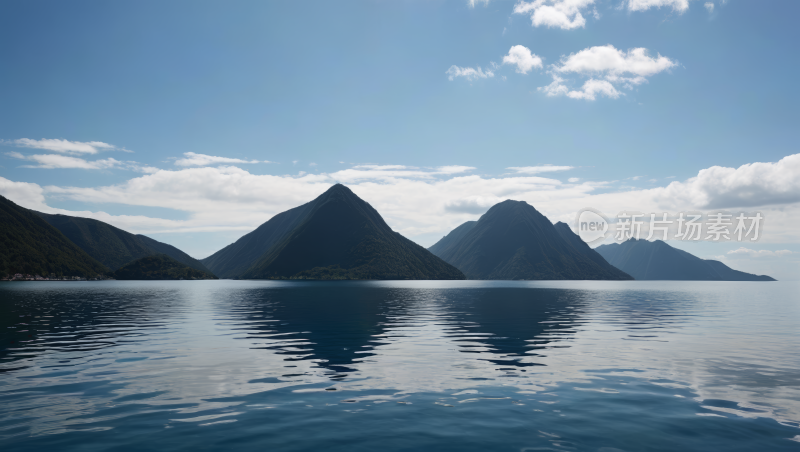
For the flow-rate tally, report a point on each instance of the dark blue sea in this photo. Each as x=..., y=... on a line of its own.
x=399, y=366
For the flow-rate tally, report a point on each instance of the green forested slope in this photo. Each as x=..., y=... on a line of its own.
x=28, y=244
x=159, y=267
x=112, y=246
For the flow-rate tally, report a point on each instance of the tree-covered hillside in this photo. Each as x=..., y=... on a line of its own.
x=28, y=244
x=112, y=246
x=159, y=267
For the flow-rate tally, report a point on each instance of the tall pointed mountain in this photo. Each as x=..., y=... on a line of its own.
x=514, y=241
x=112, y=246
x=28, y=244
x=335, y=236
x=343, y=237
x=658, y=261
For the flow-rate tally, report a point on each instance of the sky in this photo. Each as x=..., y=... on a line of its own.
x=194, y=122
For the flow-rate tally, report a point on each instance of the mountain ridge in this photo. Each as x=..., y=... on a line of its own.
x=30, y=245
x=112, y=246
x=512, y=240
x=341, y=236
x=659, y=261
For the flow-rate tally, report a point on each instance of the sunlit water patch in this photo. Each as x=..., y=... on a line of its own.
x=217, y=365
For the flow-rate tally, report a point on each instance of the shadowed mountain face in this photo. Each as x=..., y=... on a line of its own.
x=112, y=246
x=658, y=261
x=451, y=239
x=343, y=237
x=159, y=267
x=28, y=244
x=236, y=258
x=514, y=241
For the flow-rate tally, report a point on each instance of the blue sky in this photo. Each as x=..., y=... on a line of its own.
x=323, y=87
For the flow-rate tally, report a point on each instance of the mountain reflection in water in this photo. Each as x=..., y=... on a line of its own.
x=688, y=361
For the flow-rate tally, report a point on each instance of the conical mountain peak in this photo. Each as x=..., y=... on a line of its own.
x=512, y=240
x=336, y=236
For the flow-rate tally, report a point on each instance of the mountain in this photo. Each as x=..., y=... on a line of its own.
x=514, y=241
x=159, y=267
x=29, y=245
x=163, y=248
x=236, y=258
x=658, y=261
x=335, y=236
x=112, y=246
x=446, y=242
x=579, y=245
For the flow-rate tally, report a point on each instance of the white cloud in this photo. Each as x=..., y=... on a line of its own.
x=760, y=253
x=607, y=68
x=539, y=169
x=643, y=5
x=472, y=3
x=709, y=6
x=564, y=14
x=574, y=180
x=51, y=161
x=607, y=60
x=591, y=88
x=192, y=159
x=556, y=88
x=57, y=161
x=750, y=185
x=384, y=167
x=468, y=73
x=64, y=146
x=522, y=57
x=27, y=195
x=454, y=169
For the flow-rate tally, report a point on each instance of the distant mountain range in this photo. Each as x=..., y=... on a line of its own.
x=340, y=236
x=512, y=240
x=335, y=236
x=657, y=260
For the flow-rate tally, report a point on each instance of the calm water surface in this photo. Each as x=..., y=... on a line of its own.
x=461, y=366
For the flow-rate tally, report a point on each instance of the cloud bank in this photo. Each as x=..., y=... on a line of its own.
x=192, y=159
x=64, y=146
x=422, y=203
